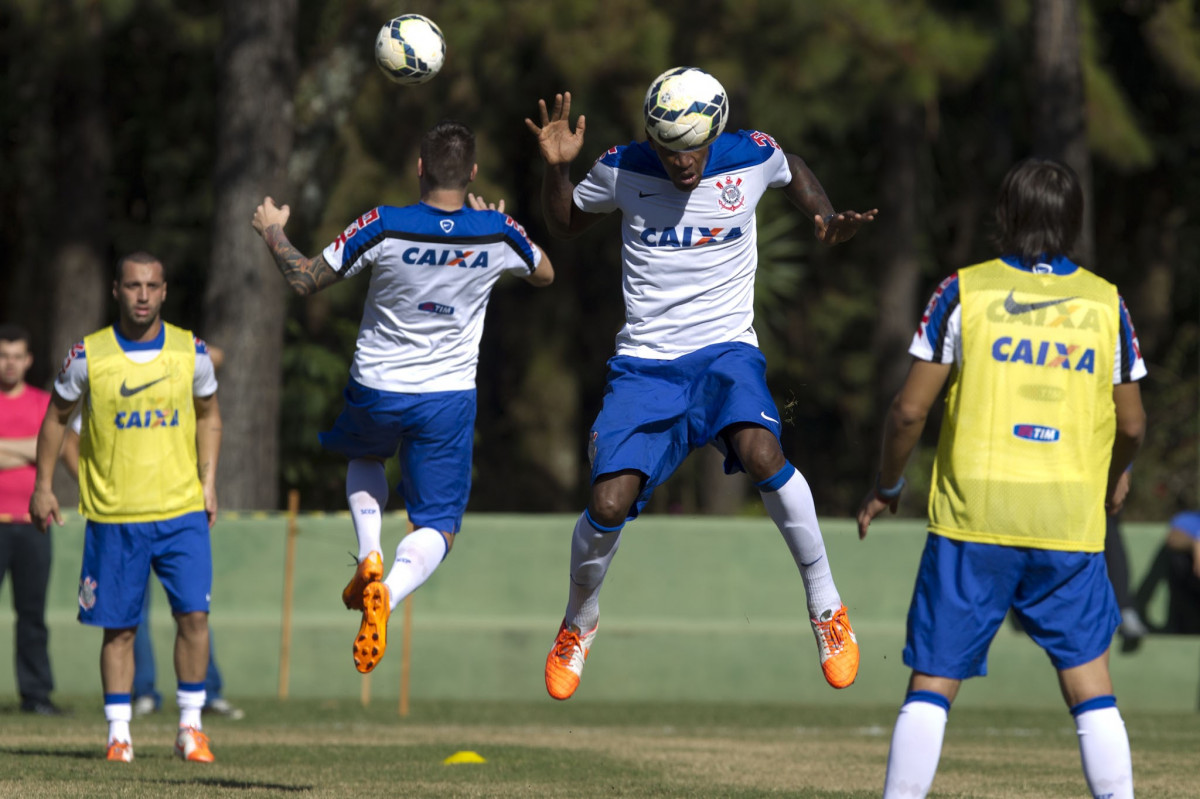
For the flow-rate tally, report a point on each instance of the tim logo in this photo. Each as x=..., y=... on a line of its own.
x=730, y=197
x=688, y=236
x=1036, y=432
x=87, y=593
x=436, y=307
x=128, y=420
x=355, y=226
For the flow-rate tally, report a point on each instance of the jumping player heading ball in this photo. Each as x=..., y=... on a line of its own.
x=687, y=371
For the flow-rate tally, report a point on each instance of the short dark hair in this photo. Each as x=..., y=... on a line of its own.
x=11, y=331
x=448, y=155
x=1039, y=210
x=138, y=257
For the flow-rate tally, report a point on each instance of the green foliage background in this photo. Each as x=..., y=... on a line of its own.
x=820, y=76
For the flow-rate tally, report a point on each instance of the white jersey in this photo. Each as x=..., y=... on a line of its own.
x=433, y=272
x=688, y=257
x=72, y=380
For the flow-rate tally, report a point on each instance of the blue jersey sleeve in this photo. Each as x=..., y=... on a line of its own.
x=346, y=253
x=1130, y=365
x=930, y=341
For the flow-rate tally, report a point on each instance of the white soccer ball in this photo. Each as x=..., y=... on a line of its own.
x=686, y=108
x=410, y=49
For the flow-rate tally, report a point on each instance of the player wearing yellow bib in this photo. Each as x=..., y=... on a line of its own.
x=1042, y=416
x=151, y=431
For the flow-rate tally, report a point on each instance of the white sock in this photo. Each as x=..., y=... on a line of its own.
x=916, y=749
x=789, y=503
x=118, y=716
x=367, y=495
x=418, y=556
x=1104, y=750
x=190, y=704
x=592, y=551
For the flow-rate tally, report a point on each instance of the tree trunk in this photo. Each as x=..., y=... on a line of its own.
x=80, y=281
x=900, y=268
x=79, y=276
x=1059, y=107
x=245, y=298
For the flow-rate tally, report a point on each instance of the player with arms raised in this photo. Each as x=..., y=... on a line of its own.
x=687, y=371
x=412, y=383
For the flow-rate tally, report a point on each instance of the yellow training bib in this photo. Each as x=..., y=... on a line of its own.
x=1029, y=422
x=137, y=450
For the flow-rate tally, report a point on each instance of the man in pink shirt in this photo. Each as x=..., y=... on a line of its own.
x=24, y=552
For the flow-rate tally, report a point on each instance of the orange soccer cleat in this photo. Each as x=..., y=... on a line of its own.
x=371, y=642
x=192, y=745
x=370, y=570
x=564, y=664
x=119, y=752
x=838, y=647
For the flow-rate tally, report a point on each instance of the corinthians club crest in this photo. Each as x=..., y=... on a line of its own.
x=87, y=593
x=730, y=197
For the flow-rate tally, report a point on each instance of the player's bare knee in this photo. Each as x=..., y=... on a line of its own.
x=192, y=624
x=608, y=508
x=762, y=460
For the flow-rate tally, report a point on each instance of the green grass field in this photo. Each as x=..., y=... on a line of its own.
x=703, y=680
x=336, y=748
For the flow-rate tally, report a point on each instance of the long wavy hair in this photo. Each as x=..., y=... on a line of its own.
x=1039, y=212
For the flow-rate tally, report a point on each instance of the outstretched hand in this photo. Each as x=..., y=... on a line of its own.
x=872, y=505
x=477, y=203
x=559, y=145
x=268, y=214
x=839, y=227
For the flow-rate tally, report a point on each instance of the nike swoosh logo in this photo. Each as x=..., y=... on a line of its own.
x=644, y=194
x=768, y=418
x=1017, y=308
x=126, y=391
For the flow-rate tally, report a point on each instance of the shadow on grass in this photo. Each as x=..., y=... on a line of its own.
x=81, y=754
x=212, y=782
x=240, y=785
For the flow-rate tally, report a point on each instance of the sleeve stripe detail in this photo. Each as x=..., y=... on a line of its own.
x=1128, y=338
x=937, y=316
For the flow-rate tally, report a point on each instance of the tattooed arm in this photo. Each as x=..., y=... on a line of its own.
x=304, y=275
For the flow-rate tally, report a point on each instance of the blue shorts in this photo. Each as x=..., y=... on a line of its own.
x=434, y=434
x=655, y=412
x=1064, y=600
x=117, y=559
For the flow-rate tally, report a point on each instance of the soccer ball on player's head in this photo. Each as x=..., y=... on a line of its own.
x=686, y=108
x=410, y=49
